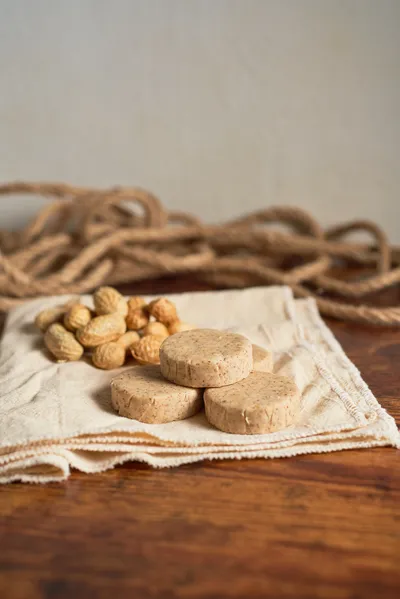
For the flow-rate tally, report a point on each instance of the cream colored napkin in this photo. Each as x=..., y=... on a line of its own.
x=57, y=416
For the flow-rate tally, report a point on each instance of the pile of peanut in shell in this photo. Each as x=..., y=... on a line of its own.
x=115, y=330
x=219, y=370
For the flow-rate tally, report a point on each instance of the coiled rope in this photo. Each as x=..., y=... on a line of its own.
x=86, y=238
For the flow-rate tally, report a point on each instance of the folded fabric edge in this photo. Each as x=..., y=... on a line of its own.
x=359, y=382
x=37, y=469
x=125, y=436
x=26, y=470
x=162, y=462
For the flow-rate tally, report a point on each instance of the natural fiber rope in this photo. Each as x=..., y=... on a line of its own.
x=88, y=237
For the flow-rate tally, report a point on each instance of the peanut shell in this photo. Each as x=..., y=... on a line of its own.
x=128, y=339
x=177, y=326
x=77, y=317
x=62, y=344
x=136, y=302
x=108, y=300
x=102, y=329
x=137, y=318
x=156, y=328
x=163, y=310
x=147, y=350
x=47, y=317
x=108, y=356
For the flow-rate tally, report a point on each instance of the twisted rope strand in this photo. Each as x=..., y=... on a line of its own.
x=89, y=237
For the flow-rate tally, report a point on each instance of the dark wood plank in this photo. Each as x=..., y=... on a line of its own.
x=311, y=526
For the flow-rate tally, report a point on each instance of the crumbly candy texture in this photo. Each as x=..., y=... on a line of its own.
x=142, y=393
x=262, y=359
x=206, y=358
x=261, y=403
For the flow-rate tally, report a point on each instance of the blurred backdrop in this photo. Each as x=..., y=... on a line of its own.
x=217, y=106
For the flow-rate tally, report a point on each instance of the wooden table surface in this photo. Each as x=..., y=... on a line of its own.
x=309, y=526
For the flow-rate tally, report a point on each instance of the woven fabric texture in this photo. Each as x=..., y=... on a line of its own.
x=55, y=417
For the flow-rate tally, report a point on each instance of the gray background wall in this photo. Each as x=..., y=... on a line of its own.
x=218, y=106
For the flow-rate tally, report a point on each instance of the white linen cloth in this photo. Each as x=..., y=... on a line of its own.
x=54, y=417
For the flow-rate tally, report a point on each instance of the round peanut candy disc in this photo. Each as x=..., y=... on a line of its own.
x=262, y=359
x=206, y=358
x=262, y=403
x=143, y=394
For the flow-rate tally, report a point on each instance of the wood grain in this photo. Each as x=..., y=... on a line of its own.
x=310, y=526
